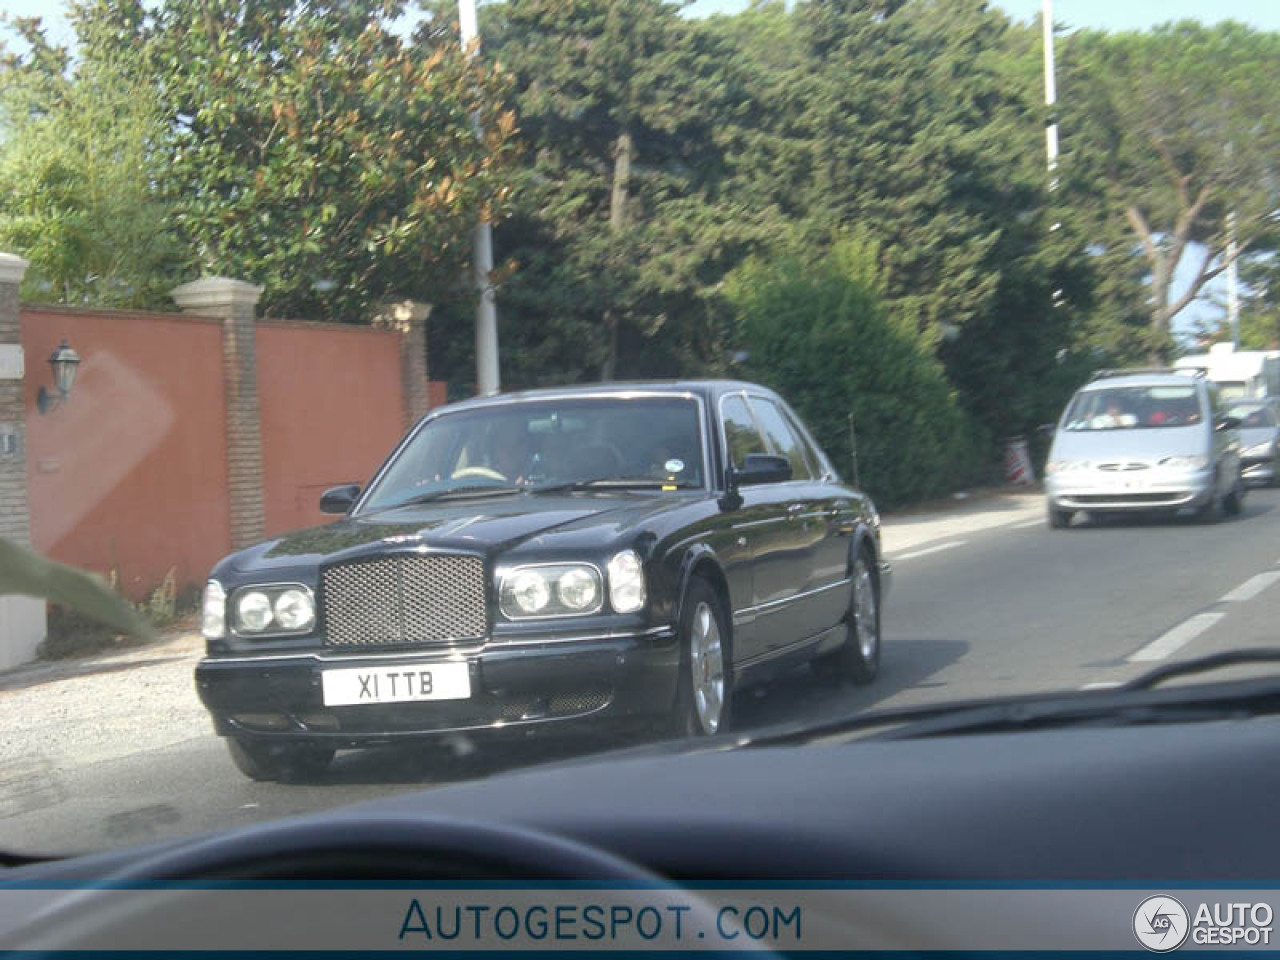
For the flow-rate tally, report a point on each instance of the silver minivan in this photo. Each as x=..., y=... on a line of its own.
x=1144, y=440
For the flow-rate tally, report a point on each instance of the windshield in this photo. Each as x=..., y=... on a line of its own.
x=547, y=443
x=1133, y=408
x=1253, y=417
x=401, y=395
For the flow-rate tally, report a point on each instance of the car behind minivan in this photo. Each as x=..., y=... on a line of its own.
x=1144, y=440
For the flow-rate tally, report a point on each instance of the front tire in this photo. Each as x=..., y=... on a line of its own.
x=1211, y=510
x=1233, y=503
x=1059, y=519
x=289, y=762
x=704, y=693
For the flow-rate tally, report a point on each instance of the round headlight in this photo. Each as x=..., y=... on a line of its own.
x=253, y=612
x=577, y=588
x=626, y=582
x=530, y=591
x=294, y=610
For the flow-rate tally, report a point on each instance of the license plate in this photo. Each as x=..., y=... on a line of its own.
x=352, y=686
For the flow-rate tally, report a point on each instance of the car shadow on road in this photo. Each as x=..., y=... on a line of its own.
x=798, y=696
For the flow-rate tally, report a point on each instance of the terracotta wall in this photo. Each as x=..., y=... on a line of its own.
x=130, y=475
x=332, y=407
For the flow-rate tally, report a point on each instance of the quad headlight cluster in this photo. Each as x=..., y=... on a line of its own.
x=259, y=610
x=572, y=589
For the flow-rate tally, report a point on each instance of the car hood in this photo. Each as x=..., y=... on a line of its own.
x=1256, y=435
x=475, y=525
x=1132, y=444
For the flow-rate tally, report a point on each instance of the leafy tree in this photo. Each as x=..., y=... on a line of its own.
x=303, y=146
x=78, y=180
x=618, y=234
x=1177, y=128
x=821, y=334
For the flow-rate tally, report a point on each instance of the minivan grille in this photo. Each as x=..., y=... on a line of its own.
x=413, y=599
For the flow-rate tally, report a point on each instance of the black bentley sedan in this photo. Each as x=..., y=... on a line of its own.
x=555, y=559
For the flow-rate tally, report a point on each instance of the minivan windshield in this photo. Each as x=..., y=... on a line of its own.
x=1131, y=408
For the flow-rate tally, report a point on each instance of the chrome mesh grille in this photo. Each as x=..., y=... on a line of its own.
x=418, y=598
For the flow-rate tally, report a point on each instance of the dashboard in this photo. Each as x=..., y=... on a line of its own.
x=1169, y=801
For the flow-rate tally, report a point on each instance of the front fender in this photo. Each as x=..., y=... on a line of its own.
x=865, y=535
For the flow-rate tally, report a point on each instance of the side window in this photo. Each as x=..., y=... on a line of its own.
x=740, y=431
x=782, y=437
x=818, y=465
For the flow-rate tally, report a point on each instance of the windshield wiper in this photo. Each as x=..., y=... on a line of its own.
x=607, y=483
x=1212, y=661
x=468, y=490
x=1138, y=701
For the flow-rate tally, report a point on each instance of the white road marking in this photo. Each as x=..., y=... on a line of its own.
x=1037, y=522
x=1251, y=587
x=912, y=554
x=1177, y=638
x=1103, y=685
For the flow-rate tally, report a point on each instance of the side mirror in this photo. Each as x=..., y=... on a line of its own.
x=340, y=499
x=1046, y=428
x=1228, y=423
x=762, y=468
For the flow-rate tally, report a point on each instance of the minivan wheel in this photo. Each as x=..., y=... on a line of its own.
x=1210, y=511
x=1233, y=502
x=1059, y=519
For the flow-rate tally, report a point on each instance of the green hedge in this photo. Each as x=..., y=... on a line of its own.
x=821, y=336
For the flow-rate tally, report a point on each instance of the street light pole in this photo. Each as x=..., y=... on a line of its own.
x=487, y=376
x=1050, y=94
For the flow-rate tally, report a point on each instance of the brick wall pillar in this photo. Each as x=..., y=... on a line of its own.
x=22, y=619
x=409, y=317
x=234, y=302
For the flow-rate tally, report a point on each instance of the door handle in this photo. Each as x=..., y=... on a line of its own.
x=795, y=508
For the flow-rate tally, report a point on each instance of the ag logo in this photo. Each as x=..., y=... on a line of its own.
x=1161, y=923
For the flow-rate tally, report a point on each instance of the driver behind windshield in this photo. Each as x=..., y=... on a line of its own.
x=1115, y=416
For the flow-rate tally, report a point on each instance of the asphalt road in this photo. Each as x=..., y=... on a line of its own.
x=984, y=603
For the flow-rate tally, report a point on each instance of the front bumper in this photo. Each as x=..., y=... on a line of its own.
x=556, y=682
x=1258, y=469
x=1154, y=490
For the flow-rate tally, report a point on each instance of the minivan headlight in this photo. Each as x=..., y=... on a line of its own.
x=551, y=590
x=1195, y=462
x=1065, y=466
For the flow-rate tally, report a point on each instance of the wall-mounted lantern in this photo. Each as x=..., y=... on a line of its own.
x=65, y=362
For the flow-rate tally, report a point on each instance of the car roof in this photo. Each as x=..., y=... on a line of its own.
x=1143, y=380
x=707, y=389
